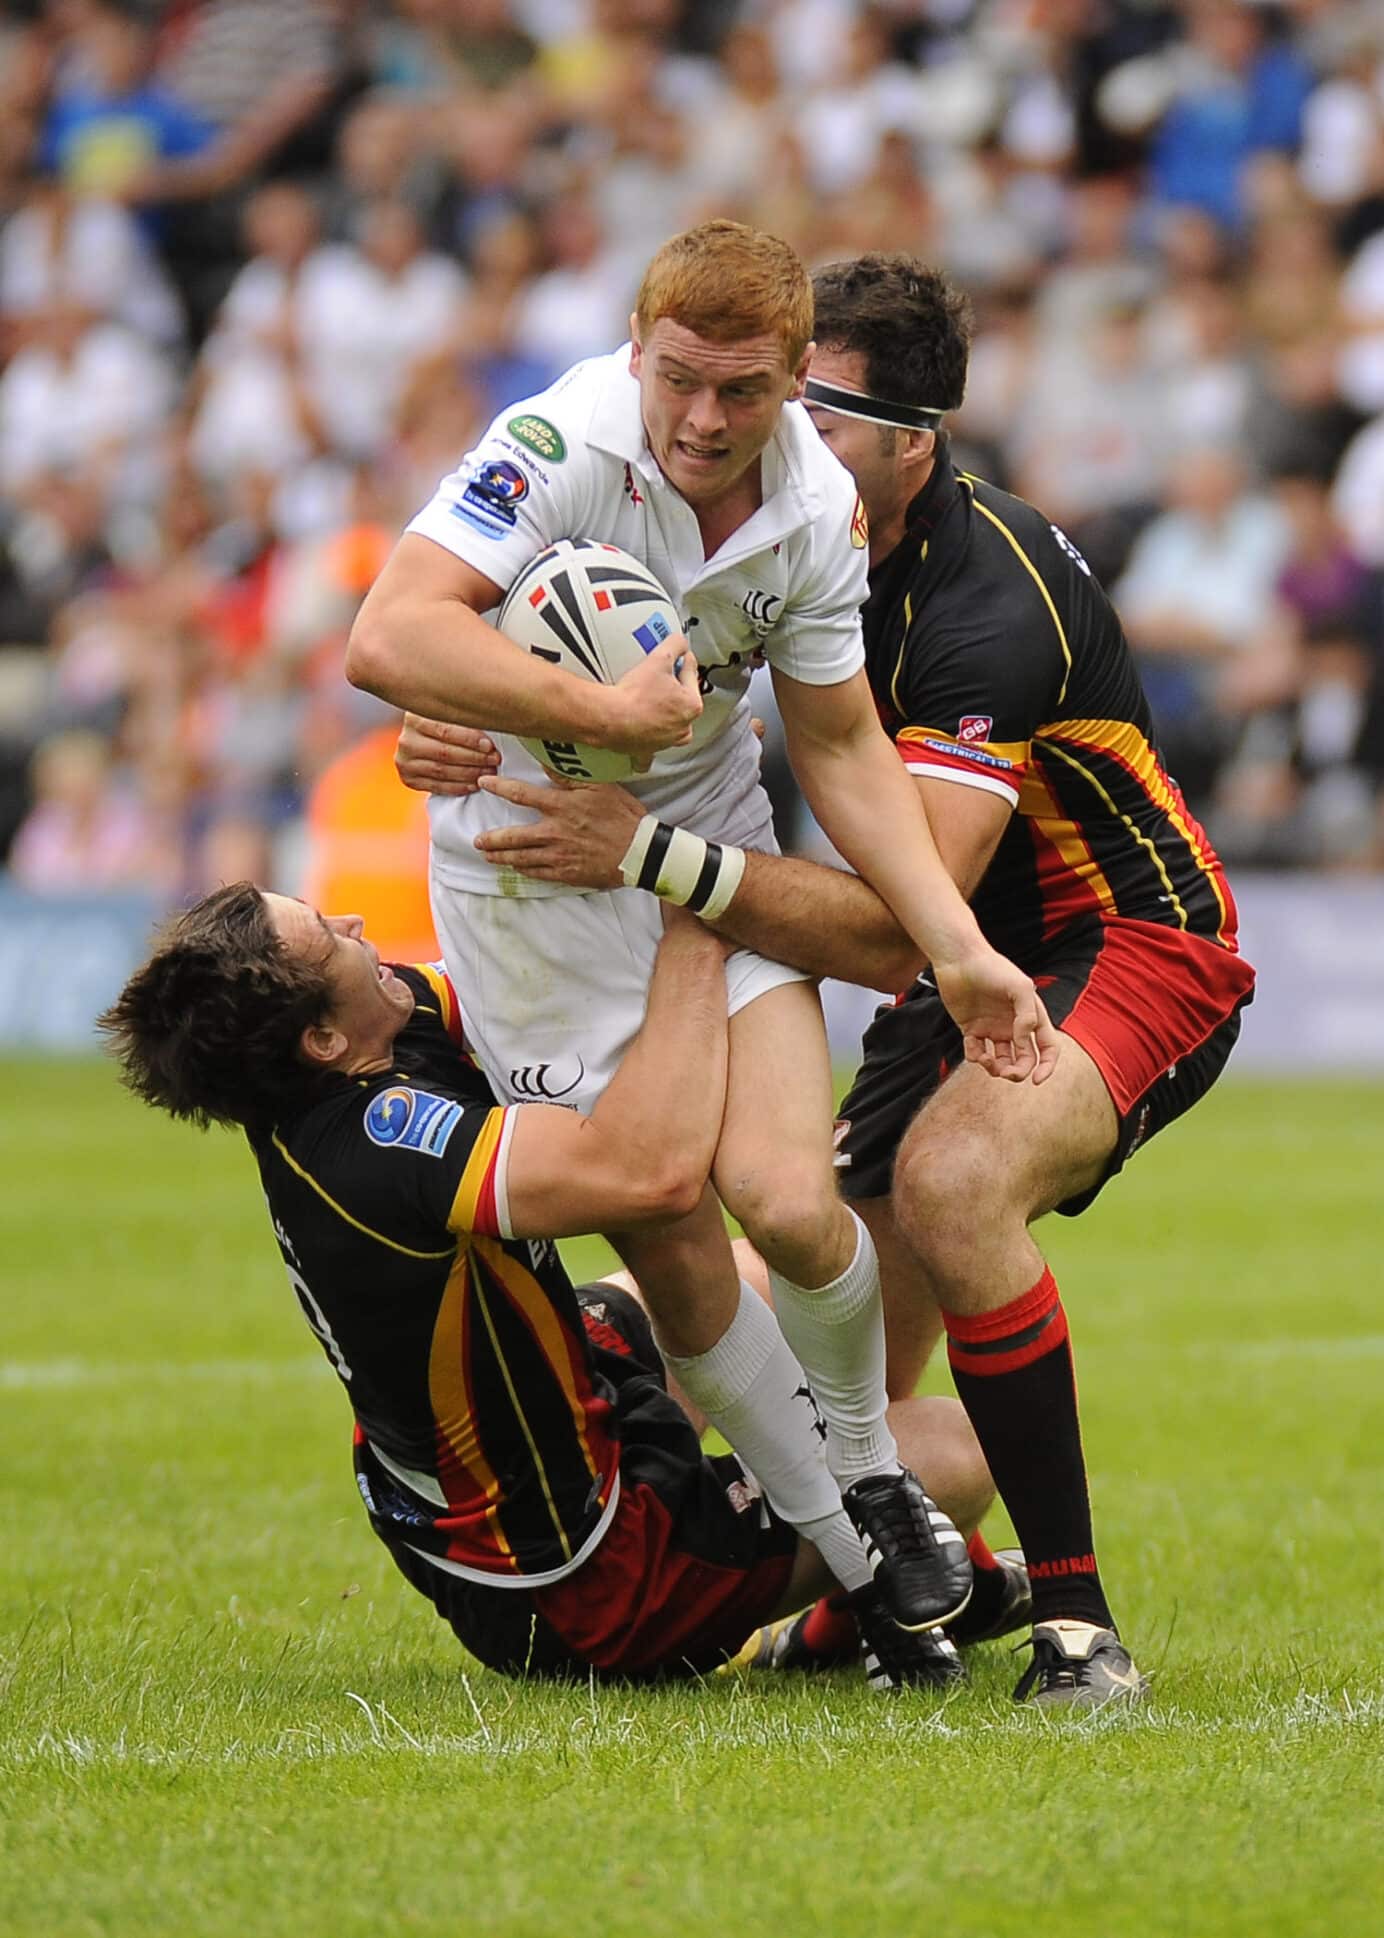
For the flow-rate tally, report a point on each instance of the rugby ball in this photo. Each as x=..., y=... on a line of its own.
x=595, y=611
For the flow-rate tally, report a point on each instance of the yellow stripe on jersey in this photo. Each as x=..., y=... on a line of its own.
x=487, y=1249
x=1052, y=746
x=1037, y=579
x=899, y=706
x=1039, y=804
x=1123, y=740
x=446, y=997
x=462, y=1216
x=534, y=1303
x=355, y=1223
x=450, y=1400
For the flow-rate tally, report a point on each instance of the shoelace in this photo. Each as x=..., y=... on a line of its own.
x=903, y=1516
x=1049, y=1664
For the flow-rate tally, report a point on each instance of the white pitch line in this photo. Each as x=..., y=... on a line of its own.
x=20, y=1375
x=1308, y=1713
x=59, y=1375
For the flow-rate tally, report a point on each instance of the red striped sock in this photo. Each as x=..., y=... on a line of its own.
x=830, y=1629
x=982, y=1554
x=1013, y=1373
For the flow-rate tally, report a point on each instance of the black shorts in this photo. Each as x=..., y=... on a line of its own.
x=1157, y=1010
x=692, y=1563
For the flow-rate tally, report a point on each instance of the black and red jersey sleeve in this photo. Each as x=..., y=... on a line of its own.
x=973, y=684
x=408, y=1162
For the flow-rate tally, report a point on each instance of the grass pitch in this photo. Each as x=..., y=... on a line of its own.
x=221, y=1712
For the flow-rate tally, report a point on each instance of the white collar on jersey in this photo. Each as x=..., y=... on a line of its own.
x=617, y=426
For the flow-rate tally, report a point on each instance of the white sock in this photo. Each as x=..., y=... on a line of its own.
x=838, y=1334
x=753, y=1391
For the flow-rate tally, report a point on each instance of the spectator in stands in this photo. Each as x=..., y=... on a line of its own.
x=82, y=396
x=366, y=311
x=88, y=830
x=1199, y=590
x=1298, y=788
x=59, y=247
x=1157, y=268
x=113, y=128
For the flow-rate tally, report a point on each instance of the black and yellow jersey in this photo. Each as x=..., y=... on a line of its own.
x=997, y=661
x=484, y=1435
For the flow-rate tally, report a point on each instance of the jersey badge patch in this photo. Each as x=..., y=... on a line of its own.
x=484, y=519
x=978, y=756
x=975, y=727
x=494, y=489
x=545, y=440
x=413, y=1120
x=860, y=527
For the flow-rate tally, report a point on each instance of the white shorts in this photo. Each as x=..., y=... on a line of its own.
x=552, y=991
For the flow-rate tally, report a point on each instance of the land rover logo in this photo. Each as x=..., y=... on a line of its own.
x=538, y=436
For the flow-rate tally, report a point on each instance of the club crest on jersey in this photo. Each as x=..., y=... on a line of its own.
x=411, y=1120
x=762, y=609
x=860, y=527
x=541, y=437
x=492, y=491
x=975, y=728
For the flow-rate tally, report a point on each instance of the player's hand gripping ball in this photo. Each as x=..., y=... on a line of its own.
x=595, y=611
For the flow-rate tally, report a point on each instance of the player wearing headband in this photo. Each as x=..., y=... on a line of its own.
x=1004, y=681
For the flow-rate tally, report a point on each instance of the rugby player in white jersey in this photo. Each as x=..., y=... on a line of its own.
x=688, y=447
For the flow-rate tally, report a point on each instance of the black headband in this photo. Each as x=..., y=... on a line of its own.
x=876, y=410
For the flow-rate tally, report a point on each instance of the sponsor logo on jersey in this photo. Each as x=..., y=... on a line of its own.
x=488, y=521
x=411, y=1120
x=978, y=756
x=539, y=436
x=539, y=1080
x=975, y=727
x=653, y=632
x=492, y=492
x=860, y=528
x=840, y=1131
x=762, y=609
x=529, y=462
x=632, y=491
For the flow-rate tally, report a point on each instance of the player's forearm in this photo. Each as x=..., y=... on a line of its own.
x=821, y=920
x=665, y=1103
x=869, y=806
x=440, y=659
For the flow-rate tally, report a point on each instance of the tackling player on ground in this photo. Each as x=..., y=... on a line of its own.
x=1004, y=680
x=515, y=1444
x=689, y=449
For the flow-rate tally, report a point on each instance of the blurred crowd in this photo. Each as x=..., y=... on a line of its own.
x=268, y=266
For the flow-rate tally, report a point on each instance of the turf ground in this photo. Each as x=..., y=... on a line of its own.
x=221, y=1712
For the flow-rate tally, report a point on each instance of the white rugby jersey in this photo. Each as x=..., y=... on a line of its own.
x=785, y=589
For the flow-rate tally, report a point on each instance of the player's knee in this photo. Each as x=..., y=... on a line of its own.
x=943, y=1189
x=792, y=1219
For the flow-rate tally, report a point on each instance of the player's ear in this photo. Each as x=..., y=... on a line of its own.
x=795, y=395
x=920, y=448
x=636, y=346
x=322, y=1046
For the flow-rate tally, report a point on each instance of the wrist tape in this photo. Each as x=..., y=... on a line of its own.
x=681, y=867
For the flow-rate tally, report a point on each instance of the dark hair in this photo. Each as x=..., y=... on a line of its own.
x=912, y=328
x=209, y=1028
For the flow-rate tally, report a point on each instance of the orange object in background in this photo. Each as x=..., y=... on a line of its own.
x=368, y=849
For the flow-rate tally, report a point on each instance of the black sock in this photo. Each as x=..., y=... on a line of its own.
x=1013, y=1375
